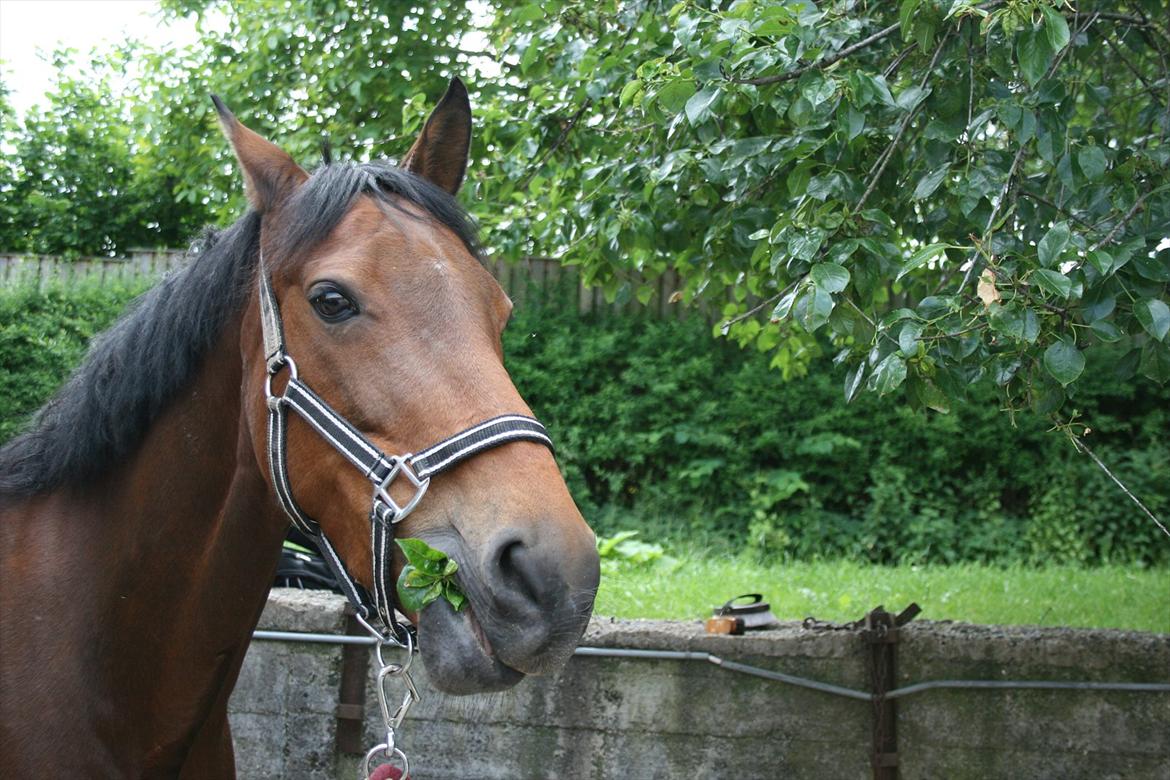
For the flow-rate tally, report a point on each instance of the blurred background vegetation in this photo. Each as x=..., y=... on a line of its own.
x=960, y=207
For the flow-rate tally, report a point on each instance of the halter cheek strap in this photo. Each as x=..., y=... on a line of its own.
x=380, y=469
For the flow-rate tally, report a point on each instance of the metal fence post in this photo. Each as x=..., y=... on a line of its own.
x=351, y=699
x=880, y=634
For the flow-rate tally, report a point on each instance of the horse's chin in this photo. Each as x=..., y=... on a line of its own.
x=457, y=655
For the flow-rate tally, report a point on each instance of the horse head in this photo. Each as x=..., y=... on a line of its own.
x=396, y=324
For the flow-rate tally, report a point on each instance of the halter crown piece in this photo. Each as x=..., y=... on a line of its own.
x=380, y=469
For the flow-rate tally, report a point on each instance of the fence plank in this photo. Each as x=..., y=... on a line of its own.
x=531, y=278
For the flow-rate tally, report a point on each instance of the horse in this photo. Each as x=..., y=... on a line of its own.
x=142, y=512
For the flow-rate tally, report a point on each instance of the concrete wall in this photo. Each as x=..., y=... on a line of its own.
x=632, y=718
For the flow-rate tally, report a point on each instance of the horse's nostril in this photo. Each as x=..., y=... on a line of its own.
x=519, y=569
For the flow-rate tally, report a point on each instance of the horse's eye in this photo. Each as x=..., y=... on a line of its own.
x=332, y=305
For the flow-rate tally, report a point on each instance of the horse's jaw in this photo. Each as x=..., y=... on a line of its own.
x=458, y=656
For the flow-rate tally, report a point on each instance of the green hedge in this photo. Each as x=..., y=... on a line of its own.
x=662, y=428
x=43, y=335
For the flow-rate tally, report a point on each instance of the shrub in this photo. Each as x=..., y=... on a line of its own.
x=662, y=428
x=43, y=335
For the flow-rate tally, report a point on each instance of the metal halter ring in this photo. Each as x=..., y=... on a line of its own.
x=381, y=490
x=274, y=369
x=391, y=754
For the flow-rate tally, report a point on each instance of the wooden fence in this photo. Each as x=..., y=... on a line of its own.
x=532, y=278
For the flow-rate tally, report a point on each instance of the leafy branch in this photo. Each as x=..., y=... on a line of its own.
x=428, y=575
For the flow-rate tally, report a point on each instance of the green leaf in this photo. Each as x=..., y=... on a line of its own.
x=1156, y=268
x=853, y=379
x=416, y=578
x=1154, y=315
x=1106, y=331
x=814, y=308
x=418, y=552
x=1092, y=162
x=1064, y=361
x=785, y=305
x=1102, y=261
x=1052, y=245
x=911, y=97
x=628, y=92
x=1055, y=28
x=427, y=575
x=1155, y=362
x=452, y=594
x=675, y=94
x=908, y=337
x=1007, y=320
x=889, y=374
x=530, y=13
x=412, y=597
x=929, y=183
x=1035, y=54
x=856, y=122
x=906, y=13
x=1099, y=306
x=921, y=392
x=921, y=258
x=830, y=276
x=1053, y=282
x=698, y=108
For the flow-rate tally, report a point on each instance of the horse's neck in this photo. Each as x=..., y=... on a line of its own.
x=194, y=506
x=155, y=575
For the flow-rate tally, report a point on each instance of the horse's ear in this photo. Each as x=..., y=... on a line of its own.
x=440, y=151
x=270, y=175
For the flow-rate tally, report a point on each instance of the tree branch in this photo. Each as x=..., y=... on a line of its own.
x=1131, y=20
x=760, y=81
x=1132, y=68
x=973, y=269
x=757, y=308
x=897, y=61
x=884, y=159
x=833, y=59
x=1137, y=204
x=556, y=144
x=1082, y=447
x=1059, y=209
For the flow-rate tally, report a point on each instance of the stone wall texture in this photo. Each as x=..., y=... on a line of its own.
x=637, y=718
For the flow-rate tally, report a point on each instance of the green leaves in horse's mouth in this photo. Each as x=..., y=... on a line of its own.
x=427, y=575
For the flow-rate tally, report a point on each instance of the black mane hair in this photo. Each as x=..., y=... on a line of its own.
x=133, y=370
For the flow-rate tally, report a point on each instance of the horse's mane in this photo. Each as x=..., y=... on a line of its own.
x=133, y=370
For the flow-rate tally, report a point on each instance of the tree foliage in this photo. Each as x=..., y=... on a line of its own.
x=79, y=178
x=936, y=193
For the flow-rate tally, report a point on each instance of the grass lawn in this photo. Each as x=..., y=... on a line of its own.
x=1106, y=597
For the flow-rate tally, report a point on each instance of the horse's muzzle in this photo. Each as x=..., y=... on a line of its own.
x=530, y=597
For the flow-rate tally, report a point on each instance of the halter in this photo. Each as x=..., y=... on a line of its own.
x=380, y=469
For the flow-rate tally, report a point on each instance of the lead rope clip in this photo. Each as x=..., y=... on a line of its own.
x=388, y=752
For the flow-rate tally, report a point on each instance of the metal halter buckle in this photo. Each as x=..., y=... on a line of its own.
x=401, y=466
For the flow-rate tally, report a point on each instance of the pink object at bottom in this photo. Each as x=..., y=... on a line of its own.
x=387, y=772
